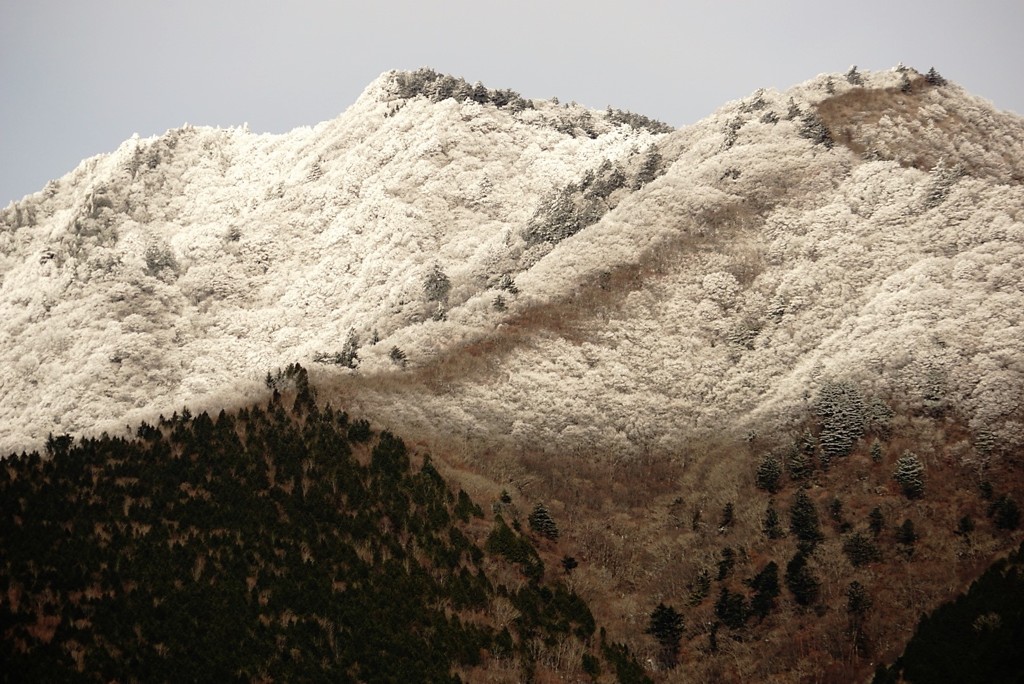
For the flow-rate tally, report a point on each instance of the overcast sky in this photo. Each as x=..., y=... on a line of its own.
x=79, y=77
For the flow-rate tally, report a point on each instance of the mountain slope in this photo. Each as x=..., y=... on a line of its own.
x=807, y=304
x=760, y=265
x=157, y=274
x=765, y=260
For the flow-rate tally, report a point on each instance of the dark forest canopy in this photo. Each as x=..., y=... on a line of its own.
x=279, y=543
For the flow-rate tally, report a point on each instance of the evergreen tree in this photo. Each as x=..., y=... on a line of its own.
x=905, y=86
x=801, y=458
x=815, y=130
x=728, y=515
x=397, y=357
x=800, y=580
x=876, y=452
x=841, y=409
x=835, y=509
x=803, y=519
x=906, y=535
x=964, y=527
x=726, y=564
x=861, y=550
x=876, y=521
x=542, y=523
x=853, y=76
x=766, y=589
x=701, y=587
x=731, y=608
x=793, y=110
x=769, y=474
x=1005, y=513
x=772, y=526
x=666, y=626
x=649, y=169
x=858, y=603
x=436, y=285
x=349, y=351
x=909, y=474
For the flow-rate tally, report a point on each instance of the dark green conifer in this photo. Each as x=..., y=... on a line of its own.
x=666, y=625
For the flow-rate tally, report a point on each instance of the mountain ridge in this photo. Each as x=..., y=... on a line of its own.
x=197, y=249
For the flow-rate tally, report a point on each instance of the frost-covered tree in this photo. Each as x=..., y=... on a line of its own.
x=732, y=132
x=160, y=260
x=555, y=219
x=906, y=87
x=607, y=179
x=840, y=408
x=853, y=76
x=943, y=178
x=909, y=473
x=792, y=110
x=507, y=283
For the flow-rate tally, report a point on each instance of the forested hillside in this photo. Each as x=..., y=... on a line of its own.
x=735, y=402
x=279, y=543
x=288, y=540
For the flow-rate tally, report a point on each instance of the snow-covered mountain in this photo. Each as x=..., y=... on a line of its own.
x=535, y=272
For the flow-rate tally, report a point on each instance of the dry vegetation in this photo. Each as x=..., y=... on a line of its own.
x=643, y=528
x=926, y=125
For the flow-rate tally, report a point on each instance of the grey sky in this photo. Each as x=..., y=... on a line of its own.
x=77, y=78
